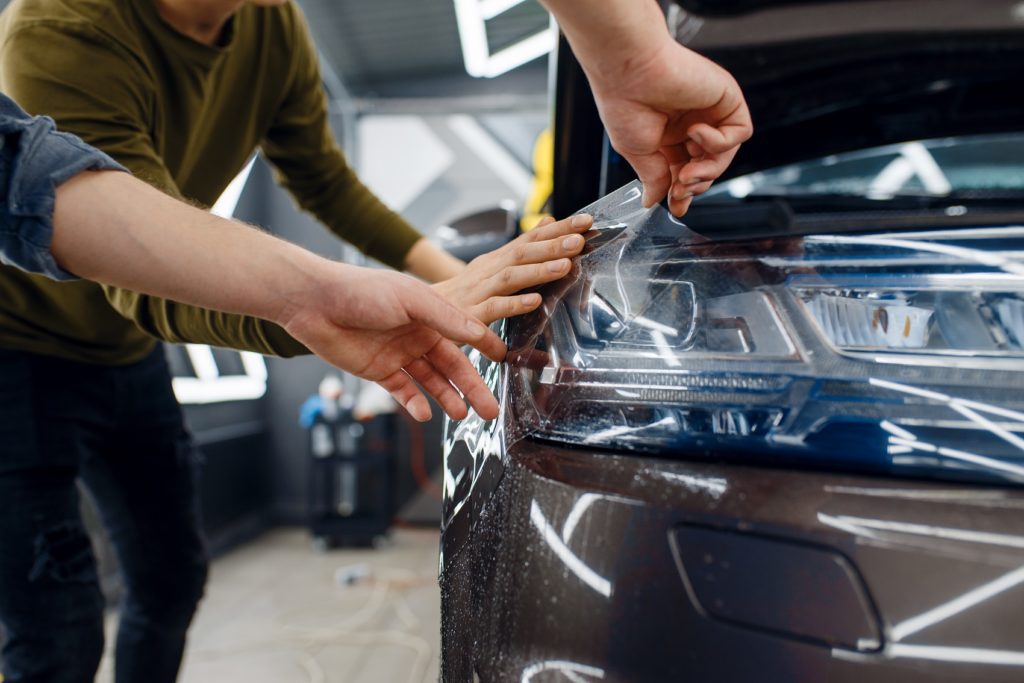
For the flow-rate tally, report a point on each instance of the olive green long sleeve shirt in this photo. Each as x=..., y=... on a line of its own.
x=184, y=117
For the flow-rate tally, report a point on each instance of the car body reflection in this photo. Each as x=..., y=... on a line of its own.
x=782, y=439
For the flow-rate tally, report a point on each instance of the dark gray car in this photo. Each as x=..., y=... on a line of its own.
x=782, y=440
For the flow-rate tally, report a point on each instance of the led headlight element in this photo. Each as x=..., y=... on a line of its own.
x=860, y=322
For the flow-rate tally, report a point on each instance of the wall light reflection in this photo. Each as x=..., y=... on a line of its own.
x=862, y=526
x=957, y=605
x=571, y=670
x=619, y=430
x=939, y=653
x=902, y=446
x=986, y=258
x=902, y=441
x=974, y=655
x=713, y=486
x=567, y=556
x=576, y=514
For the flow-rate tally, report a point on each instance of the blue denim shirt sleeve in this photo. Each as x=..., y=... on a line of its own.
x=34, y=159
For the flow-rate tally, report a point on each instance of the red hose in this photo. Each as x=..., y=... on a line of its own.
x=418, y=461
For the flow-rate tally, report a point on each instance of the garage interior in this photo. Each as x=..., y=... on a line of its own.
x=780, y=438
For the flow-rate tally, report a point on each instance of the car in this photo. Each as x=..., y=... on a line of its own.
x=782, y=438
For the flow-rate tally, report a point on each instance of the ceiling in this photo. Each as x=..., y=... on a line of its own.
x=383, y=46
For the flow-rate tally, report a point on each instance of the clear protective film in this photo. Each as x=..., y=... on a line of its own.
x=896, y=352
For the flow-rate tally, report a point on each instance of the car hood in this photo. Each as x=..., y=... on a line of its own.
x=828, y=77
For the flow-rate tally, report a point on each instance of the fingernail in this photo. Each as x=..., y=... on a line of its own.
x=571, y=242
x=557, y=266
x=476, y=329
x=579, y=220
x=530, y=299
x=696, y=138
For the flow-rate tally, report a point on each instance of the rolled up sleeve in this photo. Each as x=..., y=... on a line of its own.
x=34, y=160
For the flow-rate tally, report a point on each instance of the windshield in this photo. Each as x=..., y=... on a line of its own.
x=967, y=165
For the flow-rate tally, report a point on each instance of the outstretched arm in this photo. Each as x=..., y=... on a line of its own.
x=381, y=326
x=677, y=117
x=301, y=145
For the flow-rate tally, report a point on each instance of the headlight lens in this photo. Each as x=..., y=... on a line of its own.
x=896, y=352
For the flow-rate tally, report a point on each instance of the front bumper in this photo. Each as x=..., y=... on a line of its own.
x=568, y=564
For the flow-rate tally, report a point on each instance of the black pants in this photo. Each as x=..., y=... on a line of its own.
x=119, y=431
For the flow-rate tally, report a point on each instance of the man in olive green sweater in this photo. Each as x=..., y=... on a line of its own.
x=181, y=92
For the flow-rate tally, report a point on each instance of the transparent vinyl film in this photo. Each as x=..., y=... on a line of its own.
x=897, y=352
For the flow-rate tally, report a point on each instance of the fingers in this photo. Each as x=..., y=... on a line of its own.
x=653, y=171
x=549, y=250
x=491, y=346
x=724, y=137
x=706, y=168
x=695, y=188
x=443, y=373
x=486, y=287
x=498, y=307
x=517, y=278
x=438, y=387
x=711, y=148
x=553, y=229
x=453, y=364
x=679, y=207
x=695, y=178
x=682, y=196
x=425, y=306
x=692, y=188
x=401, y=387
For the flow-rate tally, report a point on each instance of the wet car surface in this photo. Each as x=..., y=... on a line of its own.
x=783, y=439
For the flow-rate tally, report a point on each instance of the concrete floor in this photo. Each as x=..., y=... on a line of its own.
x=274, y=611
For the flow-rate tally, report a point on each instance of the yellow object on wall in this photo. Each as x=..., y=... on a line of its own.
x=538, y=202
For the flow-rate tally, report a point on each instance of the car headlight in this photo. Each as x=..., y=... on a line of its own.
x=900, y=351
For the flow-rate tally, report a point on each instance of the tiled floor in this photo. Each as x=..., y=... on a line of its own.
x=275, y=611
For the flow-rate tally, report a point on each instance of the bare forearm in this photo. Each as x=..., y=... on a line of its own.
x=114, y=229
x=610, y=41
x=431, y=263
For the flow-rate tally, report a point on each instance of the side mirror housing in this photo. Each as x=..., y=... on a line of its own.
x=477, y=233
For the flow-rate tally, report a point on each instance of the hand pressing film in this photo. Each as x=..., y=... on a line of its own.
x=396, y=331
x=487, y=288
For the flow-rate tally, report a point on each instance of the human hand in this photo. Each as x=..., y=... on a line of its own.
x=486, y=286
x=392, y=329
x=676, y=117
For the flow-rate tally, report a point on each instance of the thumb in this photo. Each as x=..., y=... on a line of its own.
x=423, y=305
x=654, y=173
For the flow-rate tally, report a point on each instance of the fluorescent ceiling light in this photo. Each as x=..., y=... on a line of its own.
x=472, y=17
x=210, y=386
